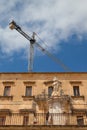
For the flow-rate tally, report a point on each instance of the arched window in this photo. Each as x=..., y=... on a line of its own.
x=50, y=90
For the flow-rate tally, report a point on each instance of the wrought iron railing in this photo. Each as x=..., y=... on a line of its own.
x=26, y=119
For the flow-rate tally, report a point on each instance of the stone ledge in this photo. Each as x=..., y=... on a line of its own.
x=49, y=127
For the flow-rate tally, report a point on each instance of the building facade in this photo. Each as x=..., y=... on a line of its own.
x=34, y=99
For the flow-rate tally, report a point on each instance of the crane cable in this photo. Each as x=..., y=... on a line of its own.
x=58, y=61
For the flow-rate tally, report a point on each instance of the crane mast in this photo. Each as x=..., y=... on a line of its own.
x=31, y=56
x=32, y=40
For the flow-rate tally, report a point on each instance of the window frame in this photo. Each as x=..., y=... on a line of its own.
x=2, y=120
x=25, y=120
x=28, y=91
x=50, y=90
x=7, y=90
x=80, y=120
x=76, y=90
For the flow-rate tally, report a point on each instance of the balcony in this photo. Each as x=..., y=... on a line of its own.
x=28, y=98
x=43, y=97
x=78, y=97
x=41, y=119
x=6, y=97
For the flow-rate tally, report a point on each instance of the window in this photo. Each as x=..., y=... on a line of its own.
x=25, y=120
x=28, y=91
x=2, y=120
x=50, y=90
x=76, y=90
x=7, y=91
x=80, y=120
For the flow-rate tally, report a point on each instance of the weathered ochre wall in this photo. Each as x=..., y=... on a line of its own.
x=18, y=86
x=39, y=82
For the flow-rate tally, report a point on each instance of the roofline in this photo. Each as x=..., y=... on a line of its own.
x=43, y=72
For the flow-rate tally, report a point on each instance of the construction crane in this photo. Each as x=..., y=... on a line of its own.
x=33, y=42
x=12, y=26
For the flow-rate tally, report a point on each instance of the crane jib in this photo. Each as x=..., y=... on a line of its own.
x=32, y=40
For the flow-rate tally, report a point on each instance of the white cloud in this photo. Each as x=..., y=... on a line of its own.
x=11, y=41
x=53, y=20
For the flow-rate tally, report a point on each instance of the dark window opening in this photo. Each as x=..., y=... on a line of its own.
x=25, y=120
x=80, y=120
x=50, y=90
x=7, y=91
x=2, y=120
x=76, y=90
x=28, y=91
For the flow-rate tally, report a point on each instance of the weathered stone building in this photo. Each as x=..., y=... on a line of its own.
x=34, y=100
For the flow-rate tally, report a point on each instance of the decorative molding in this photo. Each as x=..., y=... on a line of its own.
x=75, y=82
x=6, y=97
x=78, y=97
x=26, y=110
x=48, y=82
x=5, y=111
x=27, y=82
x=28, y=97
x=8, y=82
x=77, y=111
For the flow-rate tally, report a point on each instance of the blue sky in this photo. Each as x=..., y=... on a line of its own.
x=61, y=24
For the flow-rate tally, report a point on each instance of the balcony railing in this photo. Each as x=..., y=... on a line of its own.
x=47, y=97
x=26, y=119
